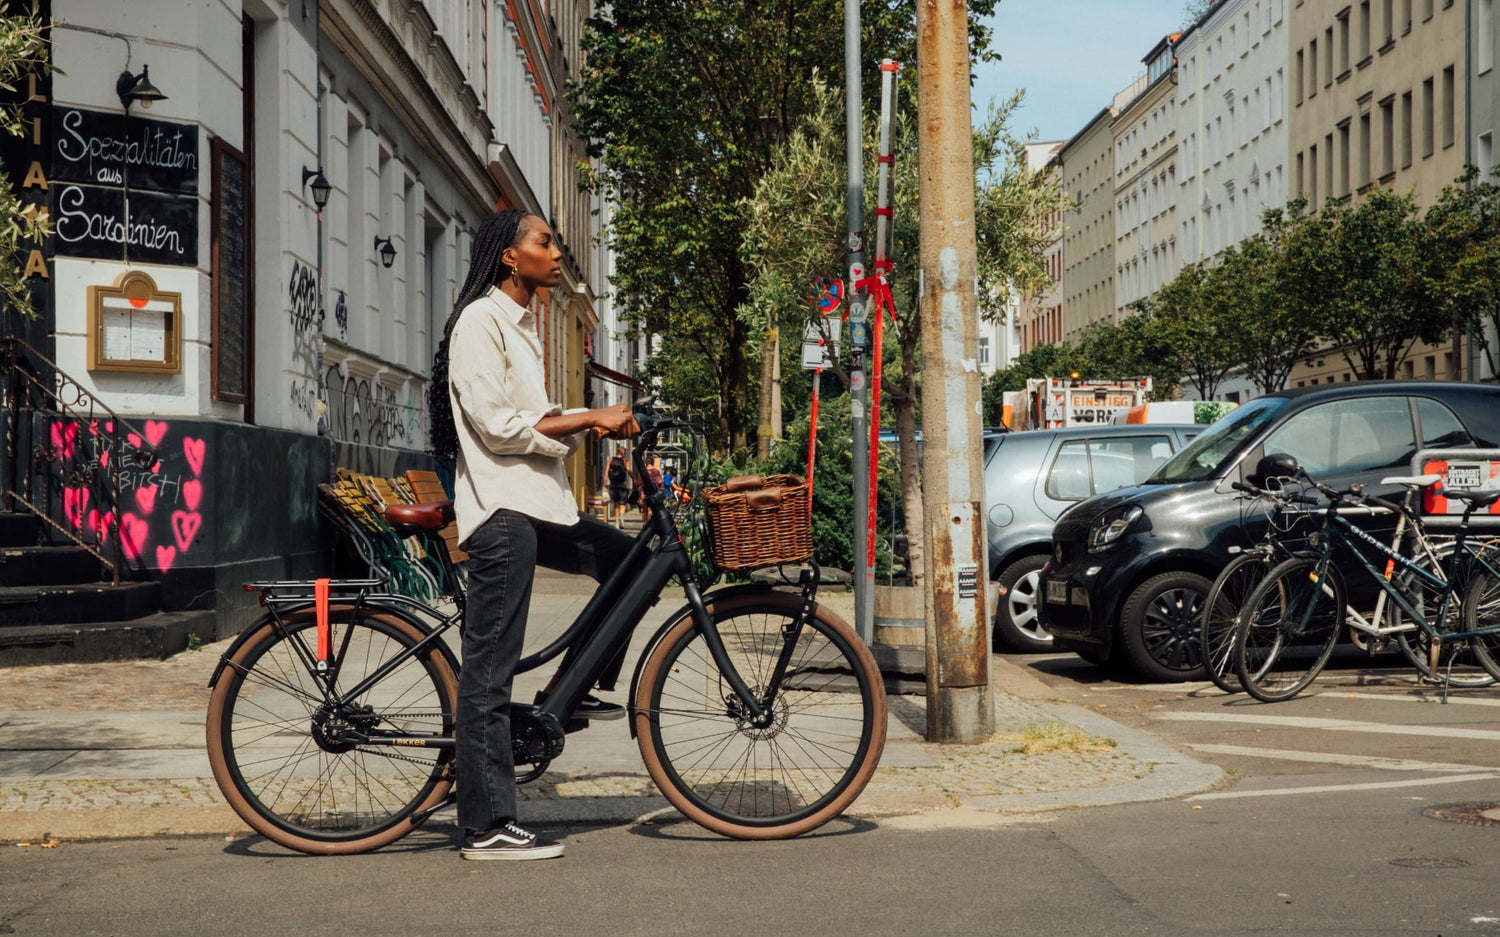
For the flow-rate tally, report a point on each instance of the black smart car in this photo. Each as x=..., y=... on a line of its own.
x=1130, y=569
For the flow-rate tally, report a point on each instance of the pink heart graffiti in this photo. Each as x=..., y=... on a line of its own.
x=164, y=557
x=184, y=527
x=104, y=458
x=145, y=496
x=63, y=436
x=192, y=493
x=155, y=430
x=74, y=502
x=132, y=535
x=133, y=439
x=100, y=524
x=194, y=449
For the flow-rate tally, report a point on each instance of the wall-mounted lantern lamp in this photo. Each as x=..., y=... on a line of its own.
x=320, y=187
x=387, y=250
x=133, y=88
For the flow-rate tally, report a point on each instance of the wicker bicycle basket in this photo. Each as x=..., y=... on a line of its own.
x=756, y=522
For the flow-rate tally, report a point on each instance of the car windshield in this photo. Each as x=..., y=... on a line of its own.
x=1202, y=458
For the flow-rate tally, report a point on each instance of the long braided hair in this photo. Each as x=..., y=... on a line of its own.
x=501, y=230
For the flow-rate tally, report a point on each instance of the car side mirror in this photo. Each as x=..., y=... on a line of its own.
x=1274, y=466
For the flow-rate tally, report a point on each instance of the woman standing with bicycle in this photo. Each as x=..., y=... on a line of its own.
x=492, y=420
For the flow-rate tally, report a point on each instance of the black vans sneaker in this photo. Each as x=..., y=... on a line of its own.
x=508, y=842
x=592, y=707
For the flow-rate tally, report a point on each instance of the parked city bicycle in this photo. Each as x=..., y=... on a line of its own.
x=1284, y=506
x=758, y=712
x=1291, y=621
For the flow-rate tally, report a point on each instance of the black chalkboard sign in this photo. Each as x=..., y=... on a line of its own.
x=91, y=221
x=114, y=149
x=231, y=272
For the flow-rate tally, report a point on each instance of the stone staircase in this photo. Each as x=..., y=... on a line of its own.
x=57, y=605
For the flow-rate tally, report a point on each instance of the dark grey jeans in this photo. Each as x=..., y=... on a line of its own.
x=503, y=555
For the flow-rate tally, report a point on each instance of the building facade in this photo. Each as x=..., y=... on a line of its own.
x=1231, y=108
x=1041, y=315
x=194, y=286
x=1088, y=257
x=1145, y=196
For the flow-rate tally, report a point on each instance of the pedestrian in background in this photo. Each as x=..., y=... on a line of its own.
x=617, y=476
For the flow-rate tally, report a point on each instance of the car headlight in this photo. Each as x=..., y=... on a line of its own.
x=1110, y=527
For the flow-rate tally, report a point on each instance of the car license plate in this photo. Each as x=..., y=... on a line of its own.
x=1463, y=475
x=1057, y=591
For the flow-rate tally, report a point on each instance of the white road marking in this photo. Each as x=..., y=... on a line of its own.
x=1341, y=788
x=1334, y=725
x=1429, y=696
x=1332, y=758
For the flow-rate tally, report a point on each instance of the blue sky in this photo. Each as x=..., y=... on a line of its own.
x=1071, y=56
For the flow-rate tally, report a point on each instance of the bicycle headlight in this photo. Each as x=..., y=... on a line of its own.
x=1110, y=527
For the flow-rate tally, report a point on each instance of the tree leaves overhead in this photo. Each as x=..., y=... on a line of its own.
x=685, y=102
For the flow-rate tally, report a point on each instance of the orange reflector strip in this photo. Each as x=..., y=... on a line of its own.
x=320, y=599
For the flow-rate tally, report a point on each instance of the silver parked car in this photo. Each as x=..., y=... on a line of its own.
x=1030, y=478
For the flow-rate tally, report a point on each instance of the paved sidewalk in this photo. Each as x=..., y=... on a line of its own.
x=109, y=750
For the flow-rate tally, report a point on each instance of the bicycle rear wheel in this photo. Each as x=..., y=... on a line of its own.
x=294, y=761
x=1288, y=629
x=797, y=771
x=1481, y=612
x=1221, y=611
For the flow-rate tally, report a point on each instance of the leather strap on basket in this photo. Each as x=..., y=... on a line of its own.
x=320, y=602
x=740, y=483
x=760, y=502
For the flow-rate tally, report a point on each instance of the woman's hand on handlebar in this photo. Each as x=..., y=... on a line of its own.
x=614, y=422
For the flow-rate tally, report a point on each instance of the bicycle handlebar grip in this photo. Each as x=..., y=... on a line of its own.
x=1381, y=502
x=1248, y=489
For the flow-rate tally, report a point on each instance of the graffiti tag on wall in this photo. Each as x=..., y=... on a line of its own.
x=302, y=301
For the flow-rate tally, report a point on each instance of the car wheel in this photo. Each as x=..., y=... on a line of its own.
x=1018, y=626
x=1160, y=625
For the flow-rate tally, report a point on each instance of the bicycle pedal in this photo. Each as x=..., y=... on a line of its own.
x=575, y=725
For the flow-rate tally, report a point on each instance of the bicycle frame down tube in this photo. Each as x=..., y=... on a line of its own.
x=614, y=631
x=1386, y=586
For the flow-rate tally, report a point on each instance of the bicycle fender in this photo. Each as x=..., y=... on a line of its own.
x=253, y=629
x=672, y=619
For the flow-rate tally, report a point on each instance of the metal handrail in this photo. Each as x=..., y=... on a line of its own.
x=64, y=395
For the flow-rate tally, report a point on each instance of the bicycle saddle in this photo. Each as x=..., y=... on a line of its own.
x=434, y=515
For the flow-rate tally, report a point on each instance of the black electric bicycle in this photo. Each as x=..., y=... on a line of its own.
x=758, y=712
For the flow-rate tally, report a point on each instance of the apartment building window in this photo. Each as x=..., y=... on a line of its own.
x=1387, y=23
x=1450, y=105
x=1484, y=46
x=1343, y=128
x=1328, y=56
x=1298, y=75
x=1276, y=95
x=1301, y=179
x=1343, y=28
x=1485, y=154
x=1312, y=69
x=1426, y=10
x=1404, y=16
x=1364, y=150
x=1328, y=190
x=1312, y=176
x=1363, y=34
x=1387, y=136
x=1405, y=129
x=1427, y=117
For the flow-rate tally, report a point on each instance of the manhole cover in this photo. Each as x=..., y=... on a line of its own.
x=1419, y=862
x=1477, y=814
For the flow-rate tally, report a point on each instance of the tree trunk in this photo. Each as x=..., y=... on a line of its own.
x=764, y=431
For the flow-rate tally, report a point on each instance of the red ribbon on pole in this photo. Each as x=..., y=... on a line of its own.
x=881, y=304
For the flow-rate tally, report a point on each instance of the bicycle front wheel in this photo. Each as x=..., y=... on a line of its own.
x=316, y=770
x=776, y=777
x=1221, y=611
x=1287, y=630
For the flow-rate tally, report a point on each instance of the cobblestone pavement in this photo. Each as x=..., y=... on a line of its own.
x=111, y=749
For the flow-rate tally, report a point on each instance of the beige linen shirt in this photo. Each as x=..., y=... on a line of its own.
x=497, y=386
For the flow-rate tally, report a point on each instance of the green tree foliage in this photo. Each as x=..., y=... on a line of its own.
x=1465, y=254
x=685, y=102
x=1381, y=301
x=24, y=50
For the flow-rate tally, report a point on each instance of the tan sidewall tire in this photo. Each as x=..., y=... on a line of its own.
x=777, y=601
x=448, y=681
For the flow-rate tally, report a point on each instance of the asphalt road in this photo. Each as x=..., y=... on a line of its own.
x=1321, y=828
